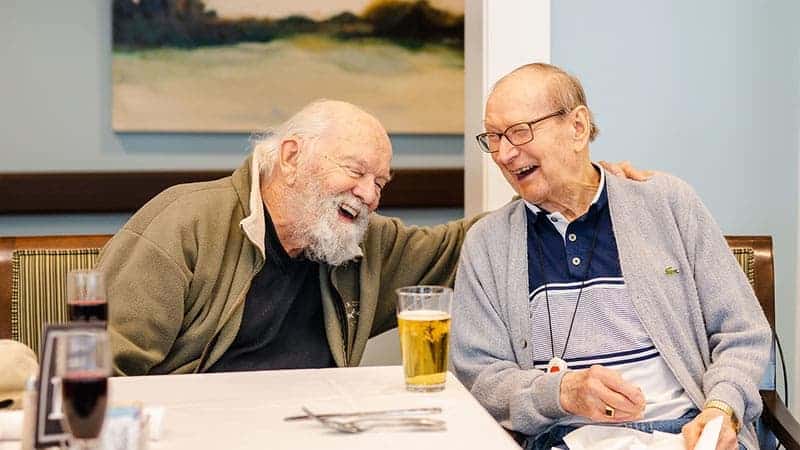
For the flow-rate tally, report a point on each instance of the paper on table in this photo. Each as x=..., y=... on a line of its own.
x=11, y=425
x=710, y=435
x=131, y=426
x=598, y=437
x=155, y=421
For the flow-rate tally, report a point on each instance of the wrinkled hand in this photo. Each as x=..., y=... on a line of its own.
x=727, y=435
x=624, y=169
x=587, y=392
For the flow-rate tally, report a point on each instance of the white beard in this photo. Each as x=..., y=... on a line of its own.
x=328, y=238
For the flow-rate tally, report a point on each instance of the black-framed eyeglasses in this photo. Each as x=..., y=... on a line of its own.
x=517, y=134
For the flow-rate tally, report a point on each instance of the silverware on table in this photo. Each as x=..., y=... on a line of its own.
x=379, y=413
x=362, y=424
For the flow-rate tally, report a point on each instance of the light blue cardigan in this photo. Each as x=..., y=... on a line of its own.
x=704, y=320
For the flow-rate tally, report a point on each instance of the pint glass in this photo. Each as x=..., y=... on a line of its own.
x=423, y=320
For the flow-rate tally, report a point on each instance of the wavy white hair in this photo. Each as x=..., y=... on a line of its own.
x=309, y=124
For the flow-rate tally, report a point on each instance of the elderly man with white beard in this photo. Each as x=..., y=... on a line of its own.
x=280, y=265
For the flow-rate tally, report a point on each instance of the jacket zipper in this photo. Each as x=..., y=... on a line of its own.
x=341, y=313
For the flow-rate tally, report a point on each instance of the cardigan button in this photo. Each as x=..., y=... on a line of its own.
x=524, y=343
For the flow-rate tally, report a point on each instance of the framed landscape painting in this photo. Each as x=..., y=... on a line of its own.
x=246, y=65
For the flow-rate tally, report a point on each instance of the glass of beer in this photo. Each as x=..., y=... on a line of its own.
x=423, y=320
x=84, y=364
x=86, y=296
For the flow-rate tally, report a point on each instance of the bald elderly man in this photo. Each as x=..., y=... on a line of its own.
x=281, y=265
x=593, y=299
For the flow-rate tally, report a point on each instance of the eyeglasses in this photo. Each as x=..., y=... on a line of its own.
x=517, y=134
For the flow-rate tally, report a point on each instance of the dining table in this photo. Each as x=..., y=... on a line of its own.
x=246, y=410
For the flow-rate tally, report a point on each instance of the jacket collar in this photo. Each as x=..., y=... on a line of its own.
x=247, y=181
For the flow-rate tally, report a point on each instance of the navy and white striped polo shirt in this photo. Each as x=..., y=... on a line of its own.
x=607, y=330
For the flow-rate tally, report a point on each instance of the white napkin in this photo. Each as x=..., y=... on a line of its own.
x=11, y=425
x=598, y=437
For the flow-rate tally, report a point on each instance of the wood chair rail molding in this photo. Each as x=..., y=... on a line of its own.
x=108, y=192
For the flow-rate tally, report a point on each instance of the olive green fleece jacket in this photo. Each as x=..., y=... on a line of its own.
x=178, y=274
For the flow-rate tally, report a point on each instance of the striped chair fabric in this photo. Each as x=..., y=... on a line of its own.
x=39, y=289
x=746, y=258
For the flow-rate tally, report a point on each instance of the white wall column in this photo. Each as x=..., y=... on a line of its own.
x=793, y=381
x=499, y=36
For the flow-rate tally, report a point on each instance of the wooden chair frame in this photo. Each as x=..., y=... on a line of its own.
x=775, y=416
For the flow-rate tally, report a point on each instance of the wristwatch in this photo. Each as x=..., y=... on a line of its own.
x=726, y=408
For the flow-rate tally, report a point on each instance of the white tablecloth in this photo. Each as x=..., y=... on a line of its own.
x=246, y=410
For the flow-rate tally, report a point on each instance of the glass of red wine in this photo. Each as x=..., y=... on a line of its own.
x=86, y=296
x=84, y=365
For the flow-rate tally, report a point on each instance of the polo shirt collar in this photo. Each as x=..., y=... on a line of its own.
x=598, y=202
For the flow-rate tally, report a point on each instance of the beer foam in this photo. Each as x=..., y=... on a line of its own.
x=424, y=314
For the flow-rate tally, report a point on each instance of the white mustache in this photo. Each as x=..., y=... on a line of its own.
x=332, y=240
x=353, y=203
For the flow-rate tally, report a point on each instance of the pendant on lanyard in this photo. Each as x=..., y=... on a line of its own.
x=556, y=365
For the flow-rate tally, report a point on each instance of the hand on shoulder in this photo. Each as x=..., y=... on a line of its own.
x=624, y=169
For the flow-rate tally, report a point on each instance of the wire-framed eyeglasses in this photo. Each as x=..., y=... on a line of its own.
x=517, y=134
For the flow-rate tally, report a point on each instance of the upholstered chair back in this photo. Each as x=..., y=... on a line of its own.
x=33, y=281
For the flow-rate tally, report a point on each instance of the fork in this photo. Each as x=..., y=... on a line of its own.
x=364, y=424
x=376, y=413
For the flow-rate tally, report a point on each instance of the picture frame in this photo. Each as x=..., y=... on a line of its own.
x=203, y=66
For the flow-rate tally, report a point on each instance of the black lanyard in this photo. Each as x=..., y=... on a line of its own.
x=580, y=291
